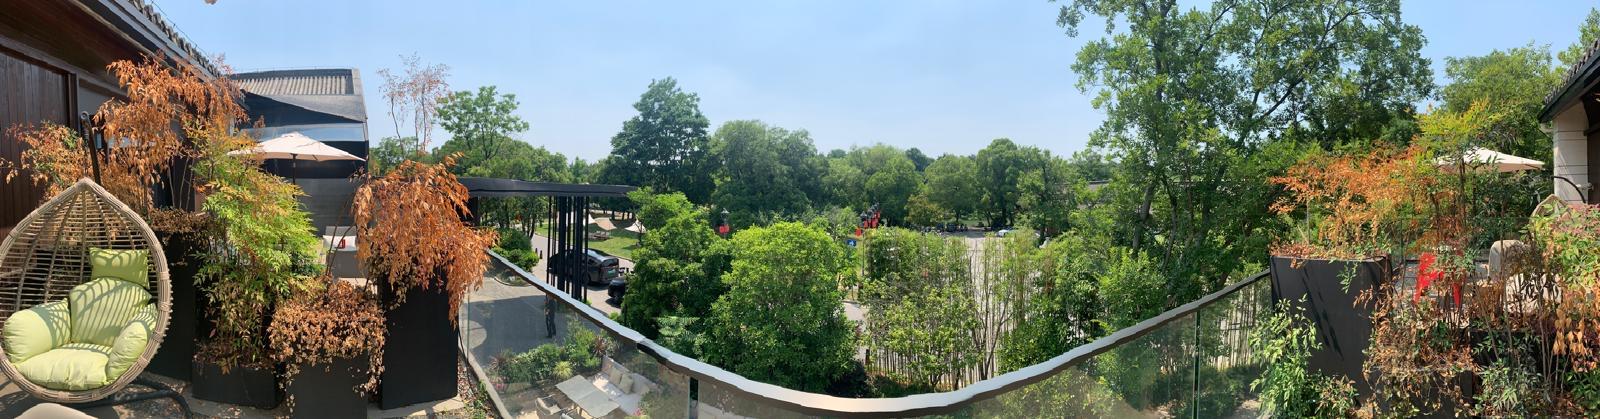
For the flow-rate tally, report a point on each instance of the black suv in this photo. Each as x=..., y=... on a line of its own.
x=595, y=267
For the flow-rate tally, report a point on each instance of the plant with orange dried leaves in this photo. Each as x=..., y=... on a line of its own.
x=410, y=222
x=1355, y=206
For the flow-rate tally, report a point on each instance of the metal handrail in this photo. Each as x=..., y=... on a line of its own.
x=913, y=405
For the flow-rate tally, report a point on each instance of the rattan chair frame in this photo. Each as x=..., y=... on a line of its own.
x=47, y=254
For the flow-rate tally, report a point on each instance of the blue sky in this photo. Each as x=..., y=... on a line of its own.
x=942, y=76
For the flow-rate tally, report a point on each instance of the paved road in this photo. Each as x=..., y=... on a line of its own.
x=596, y=293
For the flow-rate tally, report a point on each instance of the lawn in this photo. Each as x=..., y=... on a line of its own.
x=621, y=244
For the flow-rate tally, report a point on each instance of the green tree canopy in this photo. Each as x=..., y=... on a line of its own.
x=1000, y=169
x=764, y=170
x=480, y=125
x=1511, y=84
x=665, y=145
x=1197, y=101
x=782, y=318
x=1587, y=33
x=953, y=184
x=678, y=264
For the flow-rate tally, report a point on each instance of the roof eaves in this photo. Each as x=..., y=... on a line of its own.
x=1575, y=78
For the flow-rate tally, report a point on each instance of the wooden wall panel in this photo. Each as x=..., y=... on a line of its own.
x=30, y=93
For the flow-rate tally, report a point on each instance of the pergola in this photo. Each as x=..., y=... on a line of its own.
x=569, y=205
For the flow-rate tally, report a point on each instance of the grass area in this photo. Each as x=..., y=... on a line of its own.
x=621, y=244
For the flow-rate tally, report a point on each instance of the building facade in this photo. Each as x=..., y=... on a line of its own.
x=326, y=105
x=53, y=58
x=1573, y=114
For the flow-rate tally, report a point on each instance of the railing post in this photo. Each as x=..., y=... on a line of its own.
x=1194, y=397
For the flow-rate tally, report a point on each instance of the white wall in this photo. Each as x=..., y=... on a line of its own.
x=1571, y=151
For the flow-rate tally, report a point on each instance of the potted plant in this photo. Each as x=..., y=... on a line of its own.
x=261, y=252
x=423, y=258
x=1354, y=211
x=330, y=343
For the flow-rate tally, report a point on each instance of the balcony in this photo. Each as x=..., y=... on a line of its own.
x=1191, y=361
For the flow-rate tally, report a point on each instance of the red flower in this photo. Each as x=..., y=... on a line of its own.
x=1426, y=276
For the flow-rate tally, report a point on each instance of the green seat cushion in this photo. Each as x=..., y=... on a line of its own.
x=72, y=367
x=101, y=308
x=130, y=265
x=36, y=330
x=131, y=343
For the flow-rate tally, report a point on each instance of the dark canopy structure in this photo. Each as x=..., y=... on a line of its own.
x=569, y=204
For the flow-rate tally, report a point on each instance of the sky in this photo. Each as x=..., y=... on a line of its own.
x=941, y=76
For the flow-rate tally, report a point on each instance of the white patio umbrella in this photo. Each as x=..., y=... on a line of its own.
x=1485, y=159
x=296, y=146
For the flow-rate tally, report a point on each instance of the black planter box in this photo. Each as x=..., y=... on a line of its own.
x=244, y=386
x=175, y=358
x=329, y=391
x=420, y=352
x=1343, y=327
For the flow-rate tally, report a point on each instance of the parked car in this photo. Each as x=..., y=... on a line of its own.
x=595, y=267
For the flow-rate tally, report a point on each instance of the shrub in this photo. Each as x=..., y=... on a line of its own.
x=322, y=326
x=1287, y=387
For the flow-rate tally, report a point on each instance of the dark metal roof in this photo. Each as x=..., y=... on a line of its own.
x=333, y=91
x=1577, y=79
x=500, y=188
x=143, y=23
x=320, y=81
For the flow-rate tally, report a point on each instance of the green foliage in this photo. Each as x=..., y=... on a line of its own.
x=1131, y=280
x=517, y=248
x=679, y=335
x=953, y=185
x=655, y=209
x=764, y=170
x=1288, y=388
x=1512, y=84
x=1203, y=104
x=480, y=125
x=1587, y=33
x=782, y=319
x=262, y=248
x=1001, y=166
x=663, y=147
x=677, y=265
x=918, y=291
x=580, y=353
x=390, y=152
x=1065, y=311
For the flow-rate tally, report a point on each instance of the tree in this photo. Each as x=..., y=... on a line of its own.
x=782, y=318
x=678, y=265
x=953, y=185
x=1202, y=105
x=918, y=291
x=922, y=212
x=918, y=159
x=1000, y=169
x=891, y=186
x=480, y=125
x=415, y=94
x=763, y=170
x=843, y=183
x=656, y=209
x=1048, y=194
x=1065, y=313
x=1512, y=85
x=1587, y=33
x=390, y=152
x=665, y=145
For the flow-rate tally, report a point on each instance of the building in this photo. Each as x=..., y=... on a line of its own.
x=326, y=105
x=53, y=57
x=1573, y=112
